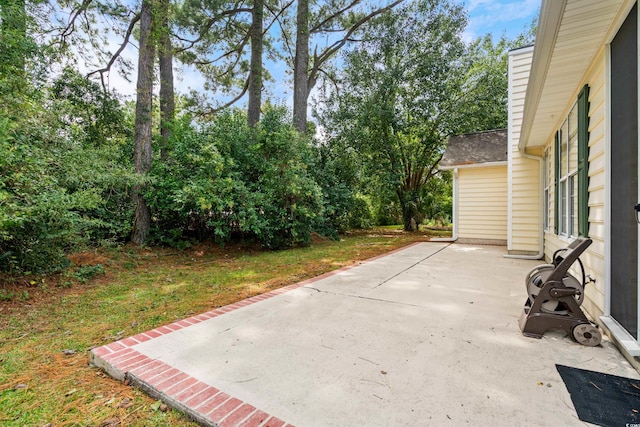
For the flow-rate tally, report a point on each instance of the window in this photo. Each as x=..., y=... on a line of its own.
x=548, y=182
x=571, y=171
x=568, y=182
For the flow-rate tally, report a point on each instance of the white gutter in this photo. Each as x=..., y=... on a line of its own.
x=540, y=160
x=454, y=235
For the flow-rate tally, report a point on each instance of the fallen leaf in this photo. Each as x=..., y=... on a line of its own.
x=111, y=422
x=125, y=403
x=70, y=392
x=20, y=386
x=156, y=405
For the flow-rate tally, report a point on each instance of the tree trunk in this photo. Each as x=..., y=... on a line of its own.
x=409, y=204
x=301, y=68
x=167, y=101
x=143, y=122
x=255, y=77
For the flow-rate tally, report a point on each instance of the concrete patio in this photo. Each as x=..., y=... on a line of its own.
x=427, y=335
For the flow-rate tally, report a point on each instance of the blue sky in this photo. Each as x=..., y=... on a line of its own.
x=498, y=17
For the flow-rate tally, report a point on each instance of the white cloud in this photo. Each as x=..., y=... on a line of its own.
x=509, y=11
x=499, y=16
x=475, y=4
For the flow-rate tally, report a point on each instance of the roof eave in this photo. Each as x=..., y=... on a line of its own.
x=473, y=165
x=571, y=35
x=551, y=12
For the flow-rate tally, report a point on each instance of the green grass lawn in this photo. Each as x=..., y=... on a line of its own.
x=48, y=324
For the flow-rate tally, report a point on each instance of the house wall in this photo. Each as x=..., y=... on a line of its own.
x=524, y=212
x=482, y=198
x=573, y=51
x=594, y=256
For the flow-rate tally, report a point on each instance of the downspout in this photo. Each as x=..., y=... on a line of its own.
x=454, y=234
x=540, y=160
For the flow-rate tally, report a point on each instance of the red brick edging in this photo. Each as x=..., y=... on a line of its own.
x=200, y=401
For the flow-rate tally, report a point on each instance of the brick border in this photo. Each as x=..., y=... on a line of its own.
x=201, y=402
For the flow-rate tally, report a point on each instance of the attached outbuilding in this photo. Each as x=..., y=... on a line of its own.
x=479, y=165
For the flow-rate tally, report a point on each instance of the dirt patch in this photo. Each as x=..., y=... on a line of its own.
x=316, y=238
x=87, y=258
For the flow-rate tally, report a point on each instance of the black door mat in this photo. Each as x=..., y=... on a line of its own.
x=602, y=399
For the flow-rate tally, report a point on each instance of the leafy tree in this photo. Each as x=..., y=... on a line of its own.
x=14, y=41
x=482, y=101
x=394, y=105
x=344, y=17
x=22, y=61
x=63, y=177
x=64, y=174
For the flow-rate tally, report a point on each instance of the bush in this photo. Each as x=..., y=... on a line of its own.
x=336, y=171
x=224, y=179
x=63, y=181
x=88, y=272
x=360, y=216
x=289, y=200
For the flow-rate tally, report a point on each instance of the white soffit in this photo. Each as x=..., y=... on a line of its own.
x=570, y=34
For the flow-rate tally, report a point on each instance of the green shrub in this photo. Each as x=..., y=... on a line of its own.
x=64, y=175
x=225, y=180
x=360, y=216
x=88, y=272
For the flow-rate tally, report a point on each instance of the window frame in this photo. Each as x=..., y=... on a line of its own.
x=548, y=183
x=568, y=167
x=571, y=199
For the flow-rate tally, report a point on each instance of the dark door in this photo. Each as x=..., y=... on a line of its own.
x=624, y=175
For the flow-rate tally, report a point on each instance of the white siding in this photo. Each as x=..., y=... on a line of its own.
x=524, y=219
x=594, y=258
x=482, y=198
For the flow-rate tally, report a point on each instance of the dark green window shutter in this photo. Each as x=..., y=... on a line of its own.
x=556, y=180
x=583, y=162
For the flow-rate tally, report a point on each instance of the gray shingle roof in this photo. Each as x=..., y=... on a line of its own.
x=476, y=148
